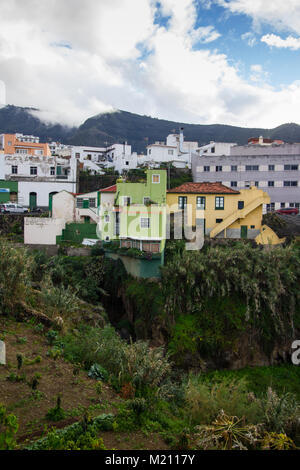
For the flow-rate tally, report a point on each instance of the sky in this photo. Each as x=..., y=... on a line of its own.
x=231, y=62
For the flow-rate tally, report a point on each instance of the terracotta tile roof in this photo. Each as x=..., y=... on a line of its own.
x=110, y=189
x=203, y=188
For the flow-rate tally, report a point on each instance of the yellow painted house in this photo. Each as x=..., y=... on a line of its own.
x=222, y=211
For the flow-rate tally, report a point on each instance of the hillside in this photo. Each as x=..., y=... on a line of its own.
x=137, y=130
x=16, y=119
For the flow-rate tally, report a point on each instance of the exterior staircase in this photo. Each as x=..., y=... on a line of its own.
x=239, y=214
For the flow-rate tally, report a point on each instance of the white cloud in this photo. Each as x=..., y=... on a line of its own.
x=258, y=74
x=250, y=38
x=205, y=34
x=276, y=41
x=75, y=59
x=283, y=15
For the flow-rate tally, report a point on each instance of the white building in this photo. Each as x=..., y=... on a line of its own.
x=175, y=151
x=215, y=148
x=39, y=174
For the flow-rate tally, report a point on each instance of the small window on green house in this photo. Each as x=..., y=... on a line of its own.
x=201, y=203
x=155, y=179
x=92, y=202
x=219, y=203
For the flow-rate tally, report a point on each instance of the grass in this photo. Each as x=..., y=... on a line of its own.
x=285, y=378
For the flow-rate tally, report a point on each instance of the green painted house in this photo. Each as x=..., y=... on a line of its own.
x=134, y=226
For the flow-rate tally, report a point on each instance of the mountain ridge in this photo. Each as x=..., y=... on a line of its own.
x=137, y=130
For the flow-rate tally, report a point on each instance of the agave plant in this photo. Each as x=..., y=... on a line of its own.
x=228, y=433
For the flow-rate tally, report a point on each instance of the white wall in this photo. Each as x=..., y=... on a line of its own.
x=43, y=189
x=42, y=231
x=63, y=206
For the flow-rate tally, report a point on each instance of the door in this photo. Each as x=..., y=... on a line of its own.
x=86, y=204
x=51, y=202
x=244, y=231
x=32, y=201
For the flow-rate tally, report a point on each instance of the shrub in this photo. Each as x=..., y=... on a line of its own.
x=204, y=401
x=275, y=441
x=280, y=413
x=51, y=336
x=8, y=428
x=19, y=361
x=56, y=413
x=15, y=276
x=99, y=373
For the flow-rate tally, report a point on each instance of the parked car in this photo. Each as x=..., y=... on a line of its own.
x=11, y=208
x=288, y=210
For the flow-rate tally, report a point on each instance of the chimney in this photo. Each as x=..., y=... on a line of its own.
x=181, y=140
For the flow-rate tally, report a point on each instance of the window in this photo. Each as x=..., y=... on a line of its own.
x=233, y=167
x=9, y=143
x=52, y=171
x=256, y=184
x=126, y=200
x=33, y=170
x=292, y=204
x=92, y=202
x=182, y=202
x=106, y=218
x=170, y=152
x=207, y=168
x=145, y=222
x=213, y=150
x=219, y=203
x=291, y=167
x=149, y=151
x=22, y=151
x=219, y=221
x=201, y=203
x=270, y=183
x=271, y=167
x=290, y=183
x=79, y=202
x=218, y=168
x=252, y=226
x=252, y=167
x=241, y=205
x=297, y=204
x=127, y=163
x=146, y=200
x=14, y=170
x=155, y=179
x=282, y=205
x=77, y=155
x=233, y=184
x=38, y=152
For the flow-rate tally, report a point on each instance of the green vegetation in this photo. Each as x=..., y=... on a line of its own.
x=208, y=305
x=8, y=429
